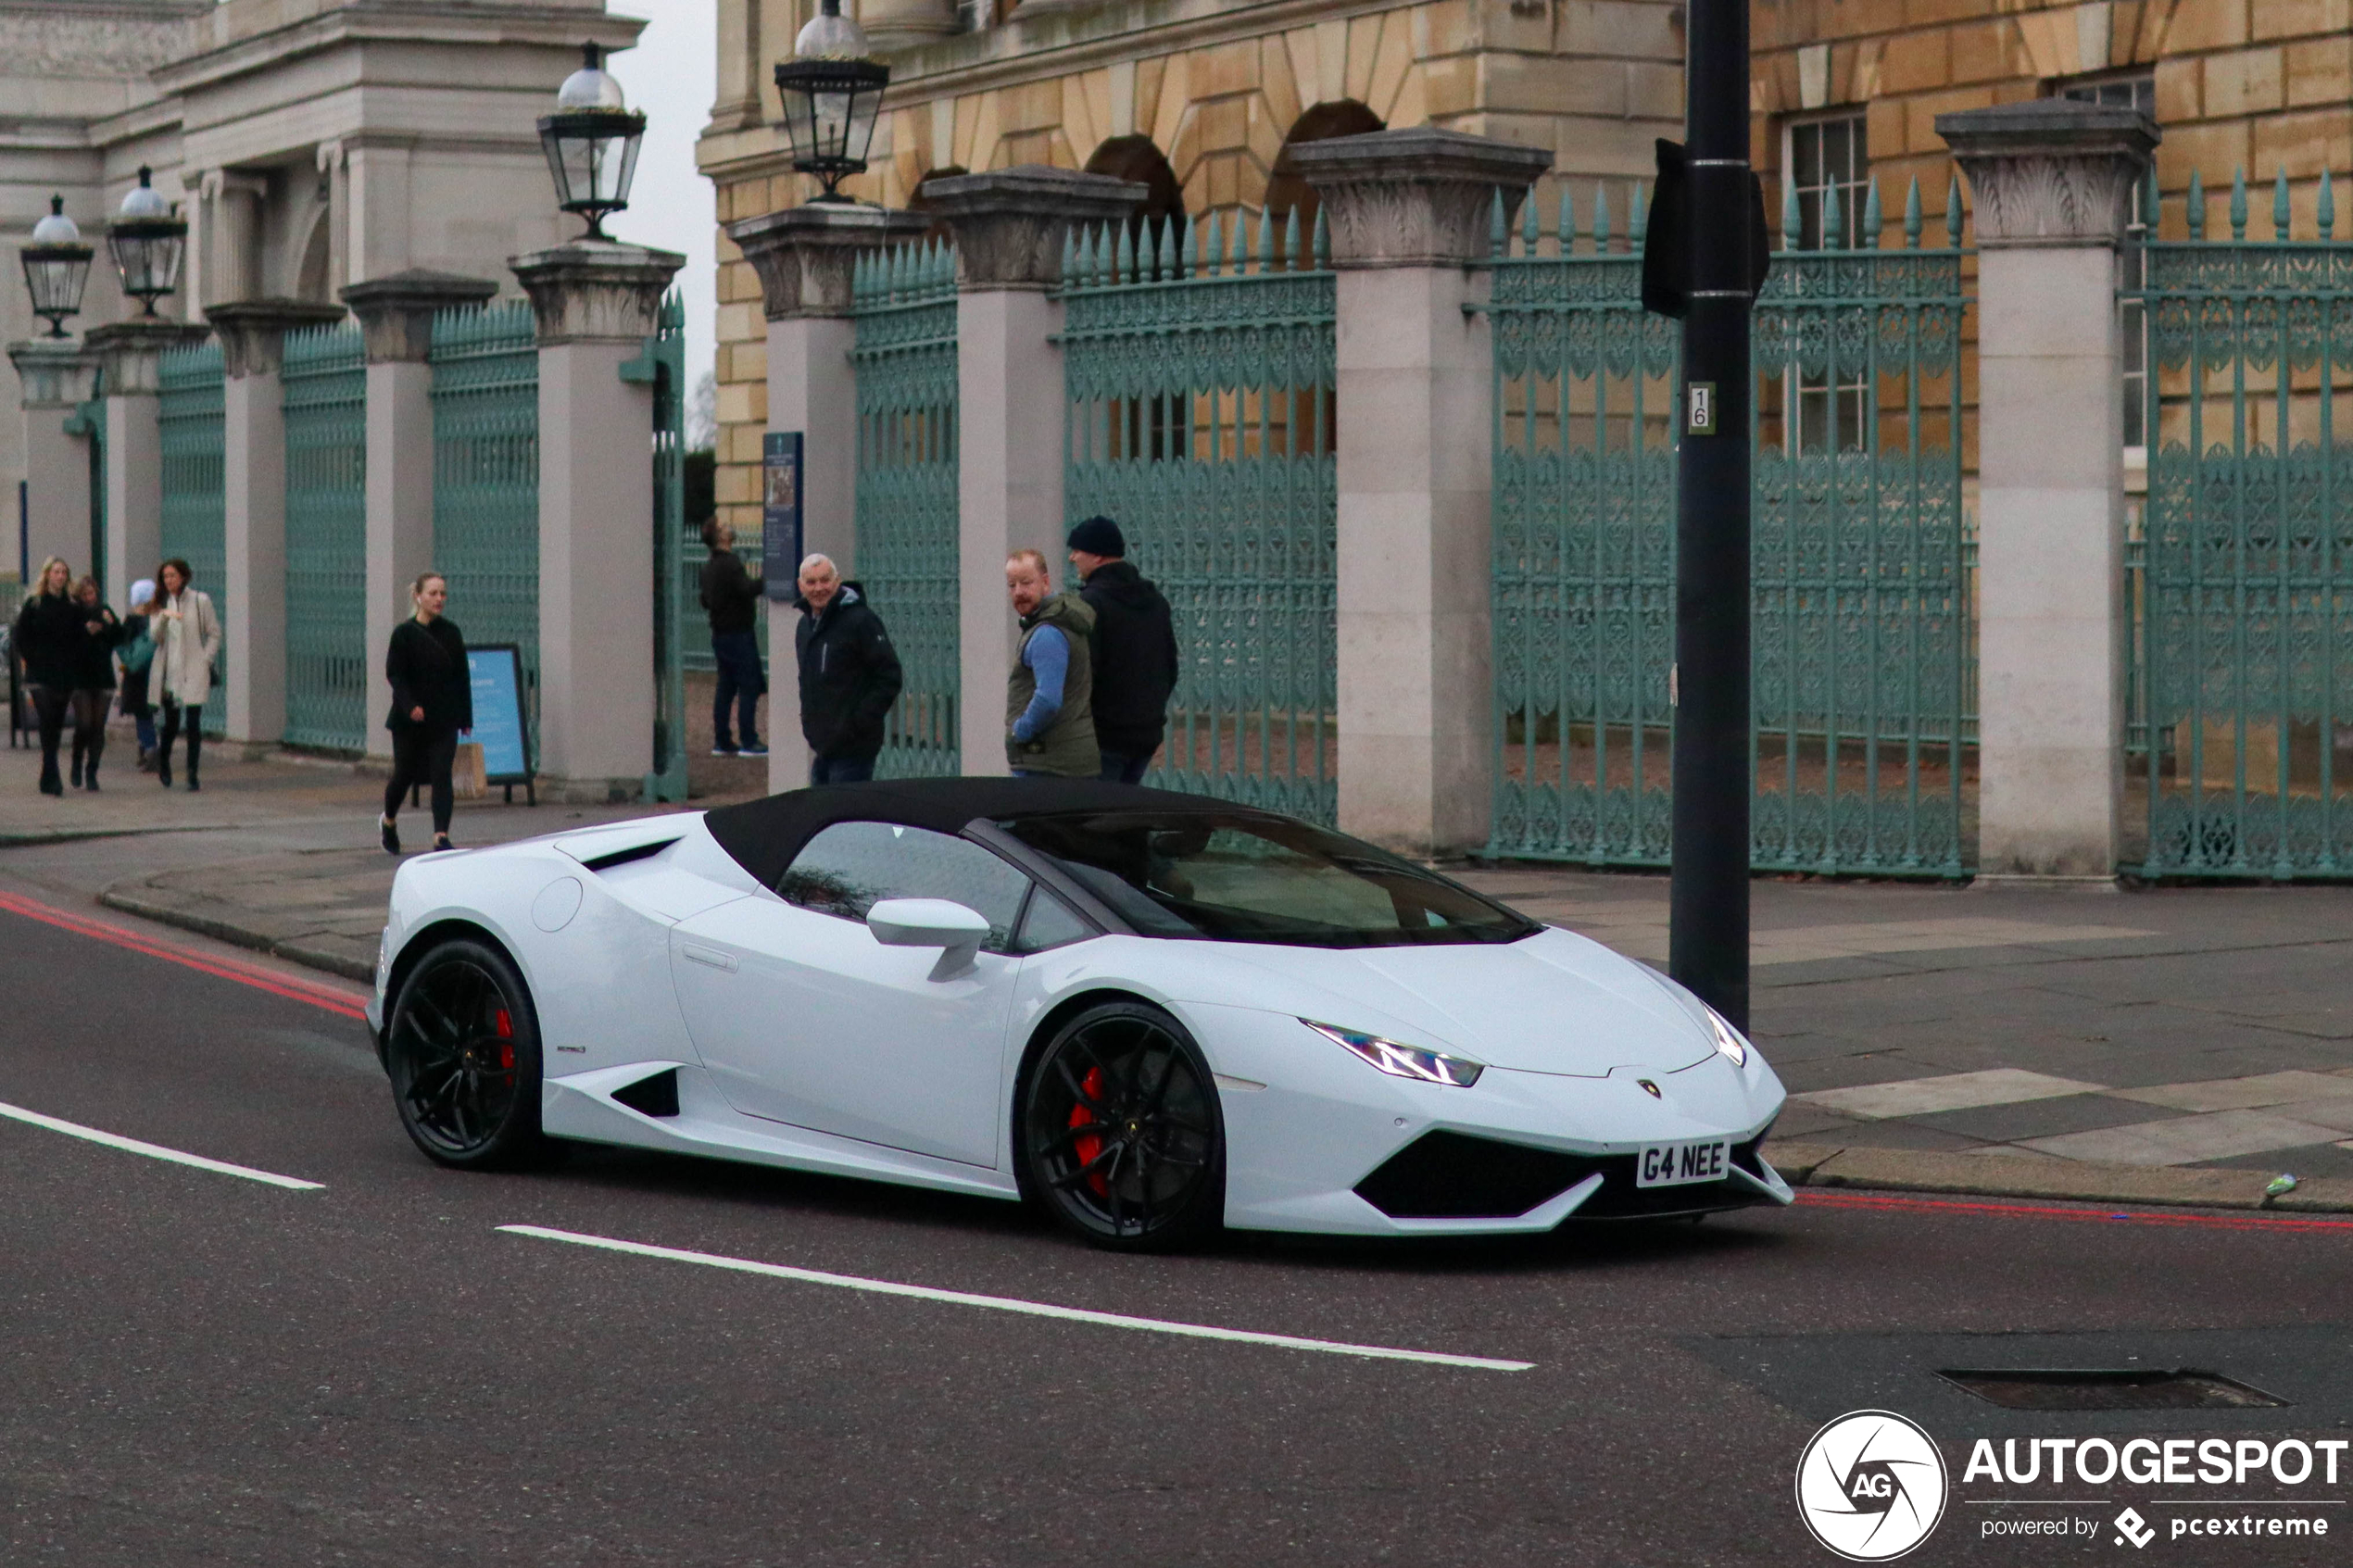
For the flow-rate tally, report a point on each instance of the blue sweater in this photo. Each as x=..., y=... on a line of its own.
x=1048, y=655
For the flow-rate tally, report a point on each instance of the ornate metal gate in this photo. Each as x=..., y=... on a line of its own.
x=195, y=487
x=1199, y=370
x=1864, y=741
x=328, y=662
x=903, y=305
x=485, y=478
x=2241, y=760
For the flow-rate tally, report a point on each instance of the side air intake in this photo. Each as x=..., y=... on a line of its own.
x=657, y=1096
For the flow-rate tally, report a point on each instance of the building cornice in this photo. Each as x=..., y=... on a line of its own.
x=393, y=22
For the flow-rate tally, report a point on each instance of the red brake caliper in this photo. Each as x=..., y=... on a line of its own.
x=505, y=1038
x=1089, y=1146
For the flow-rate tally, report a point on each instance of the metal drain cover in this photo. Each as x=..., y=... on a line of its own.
x=2110, y=1388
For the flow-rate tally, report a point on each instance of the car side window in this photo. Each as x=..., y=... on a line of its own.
x=1049, y=923
x=849, y=867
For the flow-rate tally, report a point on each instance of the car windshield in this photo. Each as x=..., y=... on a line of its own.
x=1242, y=877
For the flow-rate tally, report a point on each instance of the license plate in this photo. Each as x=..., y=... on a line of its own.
x=1672, y=1164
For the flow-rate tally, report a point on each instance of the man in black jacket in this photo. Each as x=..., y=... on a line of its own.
x=850, y=676
x=731, y=597
x=1135, y=650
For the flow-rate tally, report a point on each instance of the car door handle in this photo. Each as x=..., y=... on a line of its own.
x=711, y=956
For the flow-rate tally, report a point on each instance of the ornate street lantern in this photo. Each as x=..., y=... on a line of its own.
x=591, y=142
x=147, y=241
x=831, y=90
x=56, y=267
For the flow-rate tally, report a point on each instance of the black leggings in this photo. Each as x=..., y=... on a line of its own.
x=171, y=711
x=49, y=716
x=422, y=755
x=89, y=723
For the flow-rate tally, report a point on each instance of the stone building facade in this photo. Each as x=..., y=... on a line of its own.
x=309, y=143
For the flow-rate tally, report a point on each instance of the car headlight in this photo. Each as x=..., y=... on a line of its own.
x=1728, y=1039
x=1402, y=1061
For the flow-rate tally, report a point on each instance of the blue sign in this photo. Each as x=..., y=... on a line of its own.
x=495, y=669
x=780, y=517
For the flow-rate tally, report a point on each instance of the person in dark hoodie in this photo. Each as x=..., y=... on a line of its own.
x=433, y=704
x=48, y=638
x=1134, y=649
x=93, y=681
x=850, y=676
x=731, y=597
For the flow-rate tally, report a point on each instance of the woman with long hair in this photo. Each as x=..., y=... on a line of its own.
x=48, y=639
x=93, y=681
x=433, y=704
x=187, y=636
x=138, y=659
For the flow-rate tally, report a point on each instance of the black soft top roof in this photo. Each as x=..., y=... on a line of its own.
x=764, y=836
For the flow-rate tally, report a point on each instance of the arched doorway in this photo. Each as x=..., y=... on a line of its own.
x=922, y=203
x=1135, y=157
x=1286, y=191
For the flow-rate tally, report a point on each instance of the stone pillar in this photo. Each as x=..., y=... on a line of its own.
x=253, y=424
x=128, y=354
x=57, y=374
x=1410, y=211
x=901, y=24
x=1010, y=225
x=396, y=326
x=597, y=303
x=804, y=256
x=2052, y=182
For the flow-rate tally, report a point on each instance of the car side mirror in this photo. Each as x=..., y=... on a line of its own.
x=930, y=922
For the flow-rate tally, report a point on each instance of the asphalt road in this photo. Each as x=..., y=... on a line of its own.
x=199, y=1368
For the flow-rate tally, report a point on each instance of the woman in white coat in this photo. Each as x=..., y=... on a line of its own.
x=187, y=638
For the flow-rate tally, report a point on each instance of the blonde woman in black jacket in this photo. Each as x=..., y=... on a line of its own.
x=433, y=704
x=48, y=638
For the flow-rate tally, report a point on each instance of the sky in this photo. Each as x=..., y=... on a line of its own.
x=673, y=75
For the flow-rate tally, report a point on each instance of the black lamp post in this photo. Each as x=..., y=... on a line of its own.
x=832, y=91
x=147, y=241
x=56, y=267
x=591, y=142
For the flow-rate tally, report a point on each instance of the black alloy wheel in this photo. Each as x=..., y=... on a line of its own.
x=463, y=1052
x=1121, y=1136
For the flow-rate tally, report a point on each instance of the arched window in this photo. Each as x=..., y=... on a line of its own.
x=1286, y=191
x=1135, y=157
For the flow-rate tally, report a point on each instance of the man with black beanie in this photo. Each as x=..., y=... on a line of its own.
x=1134, y=647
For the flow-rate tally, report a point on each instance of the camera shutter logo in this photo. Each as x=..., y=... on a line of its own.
x=1870, y=1486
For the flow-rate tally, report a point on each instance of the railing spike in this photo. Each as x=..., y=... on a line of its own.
x=1168, y=248
x=1323, y=240
x=1125, y=256
x=1637, y=225
x=1213, y=246
x=1601, y=220
x=2238, y=202
x=1868, y=237
x=1070, y=255
x=1497, y=238
x=1793, y=219
x=1265, y=240
x=1912, y=224
x=1530, y=226
x=1188, y=249
x=2281, y=218
x=2325, y=210
x=1565, y=220
x=1238, y=245
x=2196, y=206
x=1834, y=220
x=1291, y=258
x=1953, y=213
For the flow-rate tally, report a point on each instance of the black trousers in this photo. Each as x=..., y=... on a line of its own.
x=422, y=754
x=49, y=705
x=172, y=712
x=89, y=723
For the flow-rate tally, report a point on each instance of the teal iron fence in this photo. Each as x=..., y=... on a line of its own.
x=903, y=311
x=328, y=662
x=195, y=488
x=2241, y=586
x=485, y=478
x=1199, y=362
x=1864, y=743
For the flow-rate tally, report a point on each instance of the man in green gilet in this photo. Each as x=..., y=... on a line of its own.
x=1050, y=721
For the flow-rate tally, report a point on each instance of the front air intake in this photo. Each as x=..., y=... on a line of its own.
x=1457, y=1176
x=657, y=1096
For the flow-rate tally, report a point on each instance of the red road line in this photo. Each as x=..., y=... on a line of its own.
x=288, y=986
x=1890, y=1204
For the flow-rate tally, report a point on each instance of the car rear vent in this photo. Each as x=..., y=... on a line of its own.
x=657, y=1096
x=1455, y=1176
x=623, y=857
x=2111, y=1388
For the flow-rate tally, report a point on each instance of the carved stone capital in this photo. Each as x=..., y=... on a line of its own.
x=2052, y=171
x=596, y=291
x=900, y=24
x=805, y=254
x=56, y=372
x=1009, y=224
x=253, y=332
x=128, y=352
x=1417, y=197
x=395, y=312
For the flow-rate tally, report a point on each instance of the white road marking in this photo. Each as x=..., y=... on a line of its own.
x=155, y=1151
x=1009, y=1304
